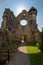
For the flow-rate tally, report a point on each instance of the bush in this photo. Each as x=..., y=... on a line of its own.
x=33, y=41
x=38, y=44
x=41, y=47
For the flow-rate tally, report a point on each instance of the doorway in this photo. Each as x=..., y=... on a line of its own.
x=23, y=38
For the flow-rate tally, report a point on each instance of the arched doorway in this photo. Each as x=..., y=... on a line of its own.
x=23, y=38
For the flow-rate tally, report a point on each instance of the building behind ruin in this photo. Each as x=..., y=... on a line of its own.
x=11, y=29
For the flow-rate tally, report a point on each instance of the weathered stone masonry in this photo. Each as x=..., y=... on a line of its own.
x=11, y=28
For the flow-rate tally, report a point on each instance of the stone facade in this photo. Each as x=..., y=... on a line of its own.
x=15, y=31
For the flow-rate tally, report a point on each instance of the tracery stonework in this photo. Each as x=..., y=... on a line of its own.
x=15, y=31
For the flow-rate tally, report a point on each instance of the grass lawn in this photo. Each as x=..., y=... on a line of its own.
x=36, y=56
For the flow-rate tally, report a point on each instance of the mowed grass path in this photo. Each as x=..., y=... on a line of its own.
x=36, y=56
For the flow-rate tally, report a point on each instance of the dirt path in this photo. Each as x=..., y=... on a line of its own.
x=20, y=57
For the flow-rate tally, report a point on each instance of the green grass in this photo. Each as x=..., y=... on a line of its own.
x=36, y=56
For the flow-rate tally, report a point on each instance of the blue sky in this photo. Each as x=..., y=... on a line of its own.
x=16, y=5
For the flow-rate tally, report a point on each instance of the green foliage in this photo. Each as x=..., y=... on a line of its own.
x=11, y=46
x=38, y=44
x=33, y=42
x=41, y=47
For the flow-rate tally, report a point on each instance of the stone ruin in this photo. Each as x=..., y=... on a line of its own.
x=11, y=29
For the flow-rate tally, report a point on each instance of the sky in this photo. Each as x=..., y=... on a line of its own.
x=18, y=5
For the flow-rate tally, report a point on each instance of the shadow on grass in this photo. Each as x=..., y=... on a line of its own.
x=36, y=59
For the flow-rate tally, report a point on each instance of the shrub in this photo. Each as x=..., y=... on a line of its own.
x=38, y=44
x=41, y=47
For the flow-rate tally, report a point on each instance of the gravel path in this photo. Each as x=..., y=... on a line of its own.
x=20, y=57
